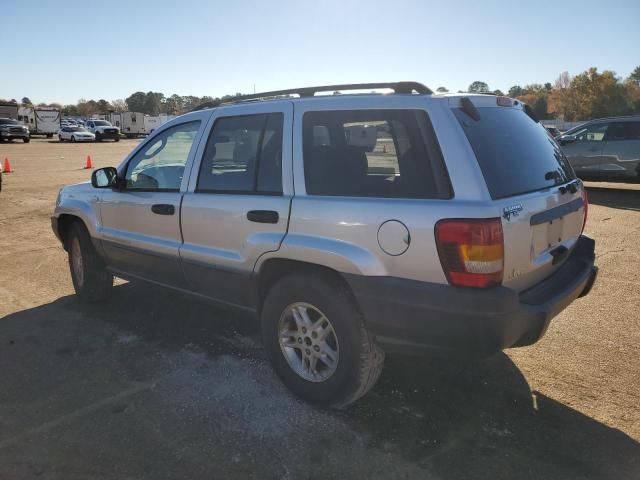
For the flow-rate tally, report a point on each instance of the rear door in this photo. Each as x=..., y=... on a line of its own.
x=533, y=186
x=621, y=153
x=237, y=206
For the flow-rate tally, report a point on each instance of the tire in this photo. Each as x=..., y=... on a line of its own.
x=49, y=135
x=117, y=139
x=60, y=139
x=91, y=280
x=359, y=360
x=26, y=140
x=98, y=137
x=73, y=139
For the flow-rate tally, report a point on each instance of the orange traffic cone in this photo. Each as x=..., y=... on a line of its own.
x=6, y=167
x=88, y=164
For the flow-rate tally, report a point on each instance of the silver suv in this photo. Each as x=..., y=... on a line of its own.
x=351, y=225
x=605, y=149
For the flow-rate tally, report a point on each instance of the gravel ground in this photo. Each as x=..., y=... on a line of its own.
x=156, y=385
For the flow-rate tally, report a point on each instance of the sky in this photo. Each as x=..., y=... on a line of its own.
x=54, y=51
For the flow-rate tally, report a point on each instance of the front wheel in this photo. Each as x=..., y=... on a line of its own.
x=98, y=137
x=317, y=342
x=26, y=139
x=73, y=139
x=91, y=280
x=117, y=139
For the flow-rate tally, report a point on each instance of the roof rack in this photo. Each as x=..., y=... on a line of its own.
x=397, y=87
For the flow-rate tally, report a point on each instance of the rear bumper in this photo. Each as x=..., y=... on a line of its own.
x=412, y=317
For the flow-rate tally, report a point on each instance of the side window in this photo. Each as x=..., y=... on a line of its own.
x=623, y=131
x=373, y=153
x=593, y=133
x=160, y=164
x=243, y=155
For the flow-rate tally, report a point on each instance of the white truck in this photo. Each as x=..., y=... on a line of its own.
x=40, y=120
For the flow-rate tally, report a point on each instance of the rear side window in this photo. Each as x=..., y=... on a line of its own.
x=243, y=155
x=373, y=153
x=623, y=131
x=514, y=152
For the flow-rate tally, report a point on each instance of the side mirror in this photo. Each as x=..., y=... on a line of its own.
x=104, y=177
x=564, y=139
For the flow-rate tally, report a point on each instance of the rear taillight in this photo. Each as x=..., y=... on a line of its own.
x=585, y=202
x=471, y=251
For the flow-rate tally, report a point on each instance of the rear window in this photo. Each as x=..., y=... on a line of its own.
x=373, y=153
x=514, y=152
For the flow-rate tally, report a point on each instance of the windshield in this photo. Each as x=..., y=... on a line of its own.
x=101, y=123
x=515, y=153
x=9, y=121
x=77, y=129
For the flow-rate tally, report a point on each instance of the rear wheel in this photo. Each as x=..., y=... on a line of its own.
x=91, y=280
x=60, y=139
x=49, y=135
x=73, y=138
x=117, y=139
x=26, y=139
x=317, y=341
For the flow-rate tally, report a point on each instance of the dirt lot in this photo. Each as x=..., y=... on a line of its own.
x=156, y=385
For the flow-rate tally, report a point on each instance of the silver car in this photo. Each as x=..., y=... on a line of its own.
x=458, y=230
x=605, y=149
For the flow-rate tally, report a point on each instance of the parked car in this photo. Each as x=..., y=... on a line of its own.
x=605, y=149
x=103, y=130
x=11, y=129
x=553, y=131
x=464, y=236
x=75, y=134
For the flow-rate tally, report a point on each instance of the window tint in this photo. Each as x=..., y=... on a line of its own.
x=373, y=153
x=592, y=133
x=623, y=131
x=243, y=154
x=160, y=164
x=515, y=153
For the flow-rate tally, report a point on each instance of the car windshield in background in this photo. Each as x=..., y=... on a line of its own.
x=9, y=121
x=101, y=123
x=515, y=153
x=77, y=129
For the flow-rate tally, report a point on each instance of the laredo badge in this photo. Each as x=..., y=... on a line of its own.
x=511, y=211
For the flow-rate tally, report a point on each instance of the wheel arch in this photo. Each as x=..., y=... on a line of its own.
x=274, y=269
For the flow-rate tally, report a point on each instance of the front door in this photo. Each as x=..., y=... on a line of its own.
x=237, y=205
x=585, y=153
x=140, y=228
x=621, y=153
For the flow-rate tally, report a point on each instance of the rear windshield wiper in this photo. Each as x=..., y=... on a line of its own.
x=470, y=109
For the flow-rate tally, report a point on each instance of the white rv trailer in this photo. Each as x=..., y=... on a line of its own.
x=40, y=120
x=9, y=110
x=153, y=122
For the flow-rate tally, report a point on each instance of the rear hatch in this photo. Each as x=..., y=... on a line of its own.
x=541, y=203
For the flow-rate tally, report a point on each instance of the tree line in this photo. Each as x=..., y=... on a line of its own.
x=588, y=95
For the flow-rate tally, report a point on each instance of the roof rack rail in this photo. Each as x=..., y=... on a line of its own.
x=397, y=87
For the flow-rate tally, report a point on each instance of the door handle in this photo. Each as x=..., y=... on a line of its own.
x=263, y=216
x=163, y=209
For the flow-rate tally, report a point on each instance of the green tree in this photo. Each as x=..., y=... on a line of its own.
x=478, y=87
x=136, y=101
x=498, y=92
x=515, y=91
x=153, y=103
x=104, y=106
x=26, y=101
x=442, y=89
x=635, y=76
x=70, y=111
